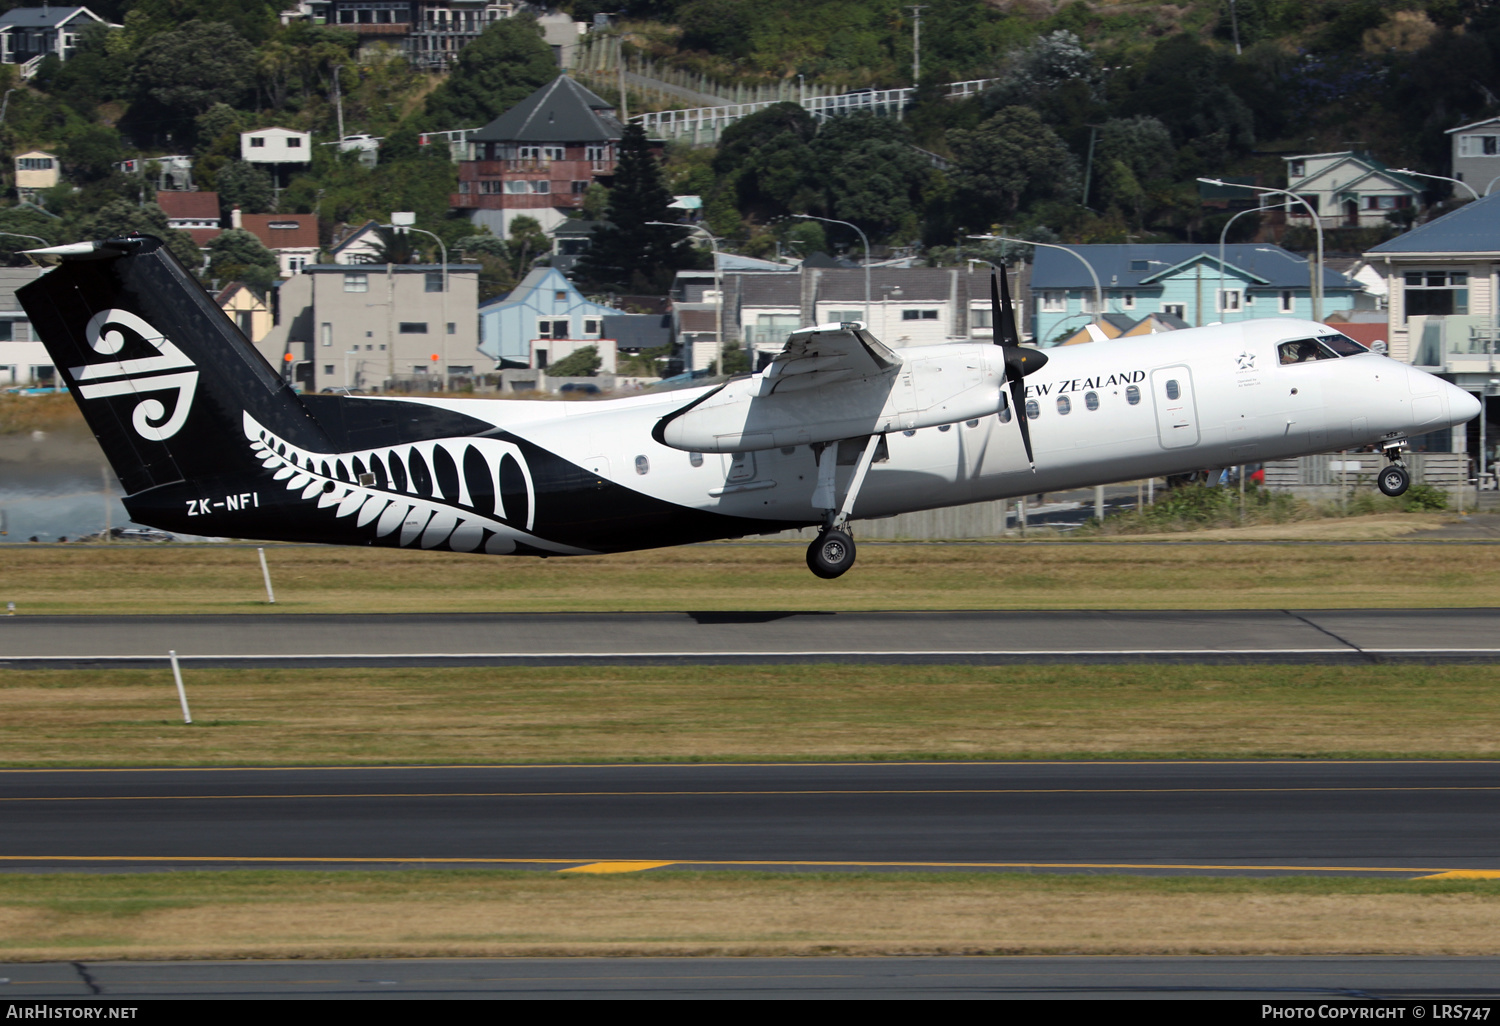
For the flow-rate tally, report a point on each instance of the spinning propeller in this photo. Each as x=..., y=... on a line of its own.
x=1019, y=361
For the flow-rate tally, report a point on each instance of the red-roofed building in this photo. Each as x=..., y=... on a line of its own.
x=196, y=213
x=292, y=237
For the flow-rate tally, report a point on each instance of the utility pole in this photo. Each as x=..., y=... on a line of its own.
x=1234, y=24
x=338, y=102
x=916, y=43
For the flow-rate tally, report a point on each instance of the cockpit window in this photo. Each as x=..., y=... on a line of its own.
x=1342, y=345
x=1324, y=347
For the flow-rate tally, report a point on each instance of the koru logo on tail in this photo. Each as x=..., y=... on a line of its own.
x=169, y=370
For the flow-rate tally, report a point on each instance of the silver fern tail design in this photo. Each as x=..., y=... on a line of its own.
x=464, y=494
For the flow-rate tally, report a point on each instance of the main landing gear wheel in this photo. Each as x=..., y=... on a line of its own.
x=1393, y=481
x=831, y=554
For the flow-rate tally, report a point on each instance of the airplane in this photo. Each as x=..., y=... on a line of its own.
x=208, y=439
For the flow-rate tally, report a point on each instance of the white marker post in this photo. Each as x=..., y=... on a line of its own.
x=187, y=717
x=266, y=573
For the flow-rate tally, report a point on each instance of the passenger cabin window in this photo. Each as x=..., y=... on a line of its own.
x=1064, y=405
x=1033, y=411
x=1132, y=395
x=1174, y=391
x=1091, y=400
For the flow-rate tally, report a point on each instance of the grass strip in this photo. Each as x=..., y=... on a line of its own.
x=166, y=579
x=509, y=715
x=424, y=913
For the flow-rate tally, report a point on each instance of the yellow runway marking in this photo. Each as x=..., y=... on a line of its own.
x=736, y=863
x=1465, y=874
x=745, y=793
x=616, y=867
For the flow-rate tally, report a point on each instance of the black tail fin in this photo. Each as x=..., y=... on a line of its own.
x=162, y=375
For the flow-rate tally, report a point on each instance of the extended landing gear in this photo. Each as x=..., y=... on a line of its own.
x=833, y=551
x=831, y=554
x=1394, y=480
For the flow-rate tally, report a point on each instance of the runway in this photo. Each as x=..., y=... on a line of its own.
x=1278, y=981
x=1398, y=819
x=1359, y=636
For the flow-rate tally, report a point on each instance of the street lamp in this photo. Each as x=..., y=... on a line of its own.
x=1316, y=285
x=403, y=221
x=1222, y=236
x=713, y=244
x=1098, y=291
x=814, y=217
x=1441, y=178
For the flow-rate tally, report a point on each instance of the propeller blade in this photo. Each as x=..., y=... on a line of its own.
x=1018, y=404
x=1005, y=317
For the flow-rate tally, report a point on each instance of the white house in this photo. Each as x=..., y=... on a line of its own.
x=1348, y=189
x=1476, y=154
x=276, y=146
x=23, y=358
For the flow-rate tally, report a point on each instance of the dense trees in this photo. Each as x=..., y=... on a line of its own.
x=506, y=64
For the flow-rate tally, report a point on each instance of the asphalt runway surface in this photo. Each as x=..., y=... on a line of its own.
x=1396, y=819
x=1262, y=979
x=1359, y=636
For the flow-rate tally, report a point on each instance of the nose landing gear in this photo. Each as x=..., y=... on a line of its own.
x=1394, y=479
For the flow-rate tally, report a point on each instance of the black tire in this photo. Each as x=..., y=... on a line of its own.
x=1393, y=481
x=831, y=554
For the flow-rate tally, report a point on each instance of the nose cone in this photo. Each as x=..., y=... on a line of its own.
x=1462, y=406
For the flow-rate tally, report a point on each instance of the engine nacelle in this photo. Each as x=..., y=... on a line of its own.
x=933, y=385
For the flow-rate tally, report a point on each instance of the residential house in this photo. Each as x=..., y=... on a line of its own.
x=23, y=358
x=1476, y=154
x=430, y=32
x=1181, y=279
x=36, y=170
x=385, y=327
x=539, y=157
x=544, y=306
x=570, y=240
x=196, y=213
x=250, y=311
x=276, y=146
x=1444, y=304
x=27, y=34
x=292, y=237
x=1348, y=189
x=173, y=171
x=359, y=246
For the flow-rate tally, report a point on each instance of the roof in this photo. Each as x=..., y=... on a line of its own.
x=696, y=320
x=1374, y=167
x=203, y=236
x=197, y=205
x=1474, y=124
x=354, y=236
x=576, y=228
x=768, y=289
x=41, y=17
x=562, y=111
x=1117, y=267
x=638, y=331
x=1472, y=228
x=283, y=231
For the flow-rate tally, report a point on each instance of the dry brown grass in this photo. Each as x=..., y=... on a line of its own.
x=27, y=413
x=606, y=714
x=416, y=913
x=1082, y=575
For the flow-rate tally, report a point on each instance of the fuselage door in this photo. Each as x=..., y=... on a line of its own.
x=1176, y=415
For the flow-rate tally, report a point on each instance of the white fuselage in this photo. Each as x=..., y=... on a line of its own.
x=1207, y=397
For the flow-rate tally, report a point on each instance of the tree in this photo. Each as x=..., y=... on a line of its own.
x=26, y=221
x=121, y=217
x=91, y=152
x=1010, y=158
x=629, y=253
x=394, y=247
x=237, y=255
x=582, y=362
x=507, y=63
x=244, y=186
x=870, y=173
x=527, y=242
x=186, y=71
x=767, y=159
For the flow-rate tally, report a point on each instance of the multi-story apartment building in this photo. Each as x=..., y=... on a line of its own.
x=430, y=32
x=539, y=157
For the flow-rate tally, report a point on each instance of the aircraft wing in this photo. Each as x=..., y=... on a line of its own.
x=821, y=355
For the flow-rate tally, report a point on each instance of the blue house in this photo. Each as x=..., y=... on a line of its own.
x=544, y=305
x=1181, y=279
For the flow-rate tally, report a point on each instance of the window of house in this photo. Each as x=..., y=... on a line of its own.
x=356, y=283
x=553, y=153
x=541, y=186
x=7, y=331
x=1229, y=300
x=328, y=368
x=293, y=142
x=979, y=317
x=256, y=140
x=1127, y=300
x=844, y=316
x=1175, y=309
x=515, y=187
x=1288, y=301
x=452, y=328
x=493, y=188
x=919, y=315
x=1296, y=168
x=596, y=152
x=434, y=281
x=1435, y=293
x=325, y=333
x=36, y=163
x=412, y=328
x=591, y=327
x=1054, y=302
x=1139, y=265
x=1478, y=145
